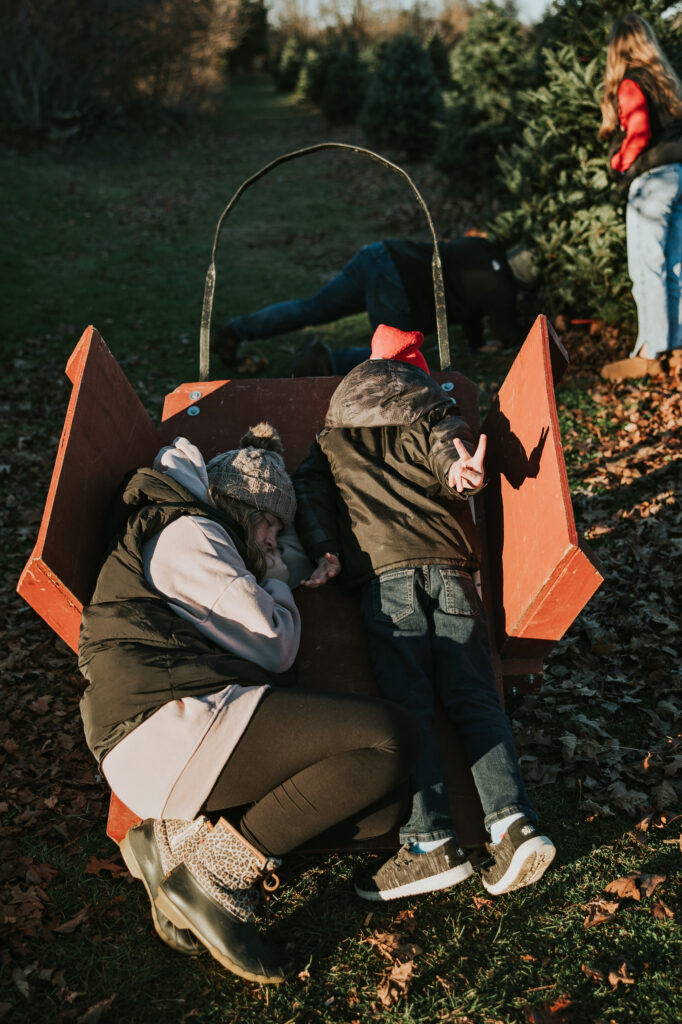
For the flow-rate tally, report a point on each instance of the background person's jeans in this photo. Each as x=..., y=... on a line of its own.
x=369, y=281
x=426, y=632
x=654, y=242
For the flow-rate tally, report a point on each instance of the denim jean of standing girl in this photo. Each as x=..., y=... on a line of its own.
x=654, y=241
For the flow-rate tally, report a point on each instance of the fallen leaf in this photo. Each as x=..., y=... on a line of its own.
x=39, y=874
x=600, y=911
x=649, y=882
x=647, y=820
x=592, y=973
x=20, y=978
x=386, y=942
x=661, y=911
x=621, y=976
x=634, y=886
x=406, y=920
x=665, y=794
x=395, y=984
x=96, y=1012
x=96, y=867
x=549, y=1013
x=75, y=922
x=626, y=888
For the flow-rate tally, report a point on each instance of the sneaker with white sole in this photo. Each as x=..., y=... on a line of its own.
x=520, y=858
x=409, y=874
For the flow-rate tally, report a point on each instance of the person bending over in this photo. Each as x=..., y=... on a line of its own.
x=392, y=281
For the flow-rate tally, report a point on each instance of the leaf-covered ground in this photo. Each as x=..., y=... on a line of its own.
x=601, y=747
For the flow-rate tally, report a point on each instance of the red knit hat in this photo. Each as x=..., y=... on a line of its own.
x=390, y=343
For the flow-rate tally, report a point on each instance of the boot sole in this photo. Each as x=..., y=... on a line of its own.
x=136, y=871
x=420, y=886
x=529, y=863
x=176, y=917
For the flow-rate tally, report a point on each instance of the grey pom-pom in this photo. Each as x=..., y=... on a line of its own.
x=263, y=435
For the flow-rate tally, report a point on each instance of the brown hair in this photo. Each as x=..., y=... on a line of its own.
x=249, y=519
x=633, y=44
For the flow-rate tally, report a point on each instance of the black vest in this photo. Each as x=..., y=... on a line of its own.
x=135, y=651
x=665, y=145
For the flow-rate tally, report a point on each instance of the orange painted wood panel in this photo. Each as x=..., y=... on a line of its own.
x=215, y=414
x=106, y=433
x=540, y=574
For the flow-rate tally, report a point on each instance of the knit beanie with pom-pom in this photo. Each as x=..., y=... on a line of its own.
x=254, y=473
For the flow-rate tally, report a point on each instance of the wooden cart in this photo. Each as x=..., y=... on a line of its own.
x=536, y=575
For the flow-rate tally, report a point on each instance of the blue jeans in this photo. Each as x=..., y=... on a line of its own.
x=427, y=634
x=369, y=281
x=654, y=240
x=344, y=359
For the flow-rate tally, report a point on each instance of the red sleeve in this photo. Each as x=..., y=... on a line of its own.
x=633, y=113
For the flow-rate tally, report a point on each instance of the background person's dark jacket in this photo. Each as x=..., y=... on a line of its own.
x=374, y=487
x=478, y=283
x=135, y=651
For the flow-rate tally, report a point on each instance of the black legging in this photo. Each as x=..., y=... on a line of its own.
x=310, y=761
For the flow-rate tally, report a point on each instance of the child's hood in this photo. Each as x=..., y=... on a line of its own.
x=184, y=462
x=384, y=393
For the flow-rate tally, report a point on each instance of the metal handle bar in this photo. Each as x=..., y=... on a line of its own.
x=436, y=266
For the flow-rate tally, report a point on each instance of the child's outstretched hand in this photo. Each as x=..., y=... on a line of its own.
x=328, y=566
x=468, y=472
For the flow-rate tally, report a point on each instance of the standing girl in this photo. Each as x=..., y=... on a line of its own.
x=642, y=116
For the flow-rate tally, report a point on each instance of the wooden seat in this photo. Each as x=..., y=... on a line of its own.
x=536, y=574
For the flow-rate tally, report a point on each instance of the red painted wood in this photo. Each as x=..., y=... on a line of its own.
x=224, y=410
x=120, y=819
x=106, y=433
x=540, y=574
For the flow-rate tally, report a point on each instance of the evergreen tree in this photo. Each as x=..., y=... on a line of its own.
x=488, y=66
x=439, y=56
x=403, y=102
x=247, y=25
x=584, y=25
x=559, y=196
x=344, y=85
x=312, y=75
x=289, y=65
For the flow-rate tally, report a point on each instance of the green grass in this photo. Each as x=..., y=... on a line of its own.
x=117, y=232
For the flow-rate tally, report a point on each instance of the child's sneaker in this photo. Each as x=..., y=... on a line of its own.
x=520, y=858
x=408, y=874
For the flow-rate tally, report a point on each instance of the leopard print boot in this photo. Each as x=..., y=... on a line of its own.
x=152, y=849
x=214, y=893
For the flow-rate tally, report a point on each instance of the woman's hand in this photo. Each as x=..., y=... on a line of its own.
x=328, y=566
x=276, y=569
x=468, y=472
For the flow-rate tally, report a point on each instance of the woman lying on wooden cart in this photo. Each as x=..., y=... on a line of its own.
x=188, y=639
